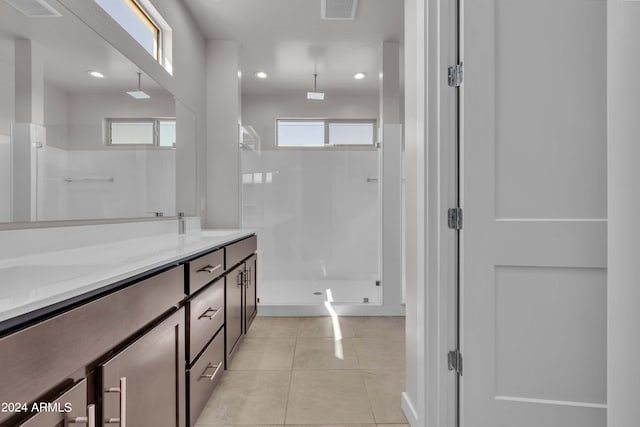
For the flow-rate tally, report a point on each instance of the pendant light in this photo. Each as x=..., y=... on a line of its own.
x=315, y=95
x=139, y=94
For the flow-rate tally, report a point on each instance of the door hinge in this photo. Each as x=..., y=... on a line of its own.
x=455, y=75
x=454, y=360
x=454, y=218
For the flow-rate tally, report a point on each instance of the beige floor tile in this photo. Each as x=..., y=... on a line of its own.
x=378, y=327
x=248, y=397
x=384, y=389
x=324, y=327
x=271, y=327
x=268, y=354
x=328, y=397
x=330, y=425
x=200, y=424
x=380, y=353
x=324, y=353
x=392, y=425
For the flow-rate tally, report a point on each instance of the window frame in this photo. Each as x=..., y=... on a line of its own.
x=156, y=131
x=327, y=122
x=151, y=24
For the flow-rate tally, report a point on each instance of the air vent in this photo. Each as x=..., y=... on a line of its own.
x=34, y=8
x=338, y=9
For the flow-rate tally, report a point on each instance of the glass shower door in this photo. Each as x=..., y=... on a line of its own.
x=316, y=211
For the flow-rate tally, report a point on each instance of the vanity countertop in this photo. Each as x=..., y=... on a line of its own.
x=36, y=285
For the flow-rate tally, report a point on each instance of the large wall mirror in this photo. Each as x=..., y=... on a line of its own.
x=74, y=145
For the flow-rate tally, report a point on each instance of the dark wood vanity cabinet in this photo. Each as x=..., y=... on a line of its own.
x=69, y=409
x=250, y=303
x=144, y=384
x=233, y=323
x=148, y=352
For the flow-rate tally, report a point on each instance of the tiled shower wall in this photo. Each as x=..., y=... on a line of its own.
x=317, y=215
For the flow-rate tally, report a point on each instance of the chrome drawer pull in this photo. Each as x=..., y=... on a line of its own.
x=123, y=403
x=210, y=269
x=209, y=366
x=209, y=313
x=89, y=420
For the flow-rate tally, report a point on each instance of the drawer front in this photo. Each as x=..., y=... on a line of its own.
x=205, y=269
x=44, y=355
x=206, y=316
x=204, y=376
x=73, y=400
x=238, y=251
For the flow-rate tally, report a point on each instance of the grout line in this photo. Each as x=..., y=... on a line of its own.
x=293, y=356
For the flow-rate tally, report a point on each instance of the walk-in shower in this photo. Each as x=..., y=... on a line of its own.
x=317, y=214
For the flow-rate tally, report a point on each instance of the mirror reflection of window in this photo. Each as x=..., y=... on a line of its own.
x=167, y=134
x=144, y=131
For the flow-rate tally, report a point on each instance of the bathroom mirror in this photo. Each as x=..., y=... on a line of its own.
x=74, y=145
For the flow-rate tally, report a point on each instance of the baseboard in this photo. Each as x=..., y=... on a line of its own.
x=321, y=310
x=409, y=410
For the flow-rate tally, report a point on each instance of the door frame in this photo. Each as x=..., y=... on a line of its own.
x=434, y=312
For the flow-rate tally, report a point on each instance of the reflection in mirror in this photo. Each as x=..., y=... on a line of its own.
x=74, y=145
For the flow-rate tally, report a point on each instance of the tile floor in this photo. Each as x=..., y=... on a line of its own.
x=292, y=370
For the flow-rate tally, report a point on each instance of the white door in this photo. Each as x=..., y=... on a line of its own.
x=533, y=257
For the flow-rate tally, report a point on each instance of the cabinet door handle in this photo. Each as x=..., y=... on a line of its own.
x=89, y=420
x=209, y=366
x=209, y=313
x=240, y=281
x=248, y=279
x=210, y=269
x=123, y=403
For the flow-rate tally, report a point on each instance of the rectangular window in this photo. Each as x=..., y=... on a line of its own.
x=145, y=131
x=136, y=22
x=298, y=133
x=325, y=132
x=351, y=133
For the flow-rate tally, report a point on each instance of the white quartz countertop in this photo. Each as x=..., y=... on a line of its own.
x=30, y=284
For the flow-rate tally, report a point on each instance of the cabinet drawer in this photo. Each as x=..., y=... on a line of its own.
x=205, y=269
x=206, y=316
x=73, y=400
x=238, y=251
x=204, y=376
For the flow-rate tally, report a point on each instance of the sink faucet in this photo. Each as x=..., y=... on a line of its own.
x=182, y=224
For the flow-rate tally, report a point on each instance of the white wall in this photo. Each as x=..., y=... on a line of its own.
x=261, y=111
x=56, y=115
x=7, y=84
x=223, y=118
x=623, y=104
x=411, y=157
x=7, y=117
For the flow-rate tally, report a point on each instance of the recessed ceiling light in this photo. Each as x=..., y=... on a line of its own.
x=261, y=75
x=359, y=76
x=96, y=74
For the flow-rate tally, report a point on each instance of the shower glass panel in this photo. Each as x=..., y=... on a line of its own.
x=316, y=211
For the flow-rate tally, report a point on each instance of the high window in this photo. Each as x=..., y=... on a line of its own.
x=137, y=22
x=325, y=132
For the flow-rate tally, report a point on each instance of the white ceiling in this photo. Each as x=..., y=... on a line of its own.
x=70, y=48
x=288, y=40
